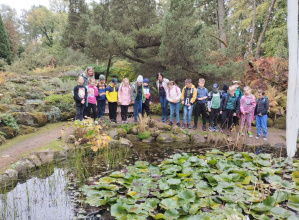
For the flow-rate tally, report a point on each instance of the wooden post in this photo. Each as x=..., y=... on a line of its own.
x=293, y=85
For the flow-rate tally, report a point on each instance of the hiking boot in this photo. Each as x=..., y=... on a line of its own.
x=250, y=134
x=211, y=129
x=265, y=138
x=216, y=129
x=170, y=123
x=204, y=128
x=184, y=126
x=189, y=126
x=195, y=127
x=258, y=136
x=178, y=124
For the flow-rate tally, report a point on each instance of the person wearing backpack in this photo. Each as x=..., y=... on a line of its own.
x=173, y=95
x=189, y=94
x=101, y=98
x=261, y=114
x=200, y=107
x=137, y=97
x=162, y=87
x=214, y=100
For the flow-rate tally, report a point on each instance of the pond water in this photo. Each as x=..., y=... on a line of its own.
x=52, y=192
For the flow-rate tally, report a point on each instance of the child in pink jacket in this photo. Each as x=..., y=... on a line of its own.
x=124, y=99
x=91, y=99
x=247, y=106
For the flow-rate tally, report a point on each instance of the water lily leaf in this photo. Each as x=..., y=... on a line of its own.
x=211, y=179
x=158, y=216
x=293, y=217
x=293, y=202
x=274, y=180
x=153, y=169
x=106, y=180
x=280, y=196
x=270, y=170
x=295, y=176
x=215, y=151
x=132, y=208
x=212, y=162
x=287, y=184
x=168, y=193
x=193, y=209
x=247, y=179
x=193, y=159
x=174, y=181
x=172, y=214
x=264, y=163
x=169, y=203
x=117, y=210
x=269, y=201
x=117, y=174
x=187, y=195
x=163, y=185
x=95, y=201
x=106, y=186
x=246, y=156
x=187, y=170
x=264, y=217
x=141, y=164
x=131, y=194
x=260, y=207
x=279, y=212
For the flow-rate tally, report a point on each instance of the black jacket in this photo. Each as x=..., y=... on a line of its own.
x=224, y=101
x=79, y=97
x=262, y=106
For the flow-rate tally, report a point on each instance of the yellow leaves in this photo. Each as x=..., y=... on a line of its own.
x=247, y=179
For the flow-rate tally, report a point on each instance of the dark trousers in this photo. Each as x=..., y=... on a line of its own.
x=200, y=108
x=79, y=112
x=124, y=112
x=101, y=108
x=214, y=114
x=227, y=118
x=145, y=108
x=112, y=110
x=94, y=110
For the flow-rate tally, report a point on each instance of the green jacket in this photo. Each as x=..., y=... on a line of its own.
x=134, y=91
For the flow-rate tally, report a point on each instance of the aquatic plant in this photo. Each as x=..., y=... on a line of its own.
x=216, y=185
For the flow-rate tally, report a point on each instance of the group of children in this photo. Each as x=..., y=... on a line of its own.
x=228, y=103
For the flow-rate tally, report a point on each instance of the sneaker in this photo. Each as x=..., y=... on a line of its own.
x=258, y=136
x=189, y=126
x=249, y=134
x=165, y=120
x=127, y=122
x=178, y=124
x=204, y=128
x=170, y=123
x=211, y=129
x=135, y=121
x=216, y=129
x=183, y=126
x=265, y=138
x=195, y=127
x=161, y=120
x=228, y=133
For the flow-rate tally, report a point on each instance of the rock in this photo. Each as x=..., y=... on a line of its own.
x=164, y=127
x=4, y=108
x=24, y=165
x=46, y=156
x=149, y=140
x=37, y=119
x=54, y=114
x=35, y=159
x=7, y=178
x=279, y=146
x=117, y=133
x=19, y=101
x=132, y=137
x=23, y=129
x=151, y=123
x=270, y=122
x=67, y=115
x=125, y=142
x=177, y=130
x=113, y=143
x=8, y=131
x=133, y=130
x=165, y=138
x=198, y=139
x=71, y=139
x=280, y=123
x=183, y=138
x=11, y=173
x=156, y=133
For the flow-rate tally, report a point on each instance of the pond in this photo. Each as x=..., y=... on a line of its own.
x=52, y=192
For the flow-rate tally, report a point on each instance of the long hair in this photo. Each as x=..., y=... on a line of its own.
x=125, y=80
x=87, y=69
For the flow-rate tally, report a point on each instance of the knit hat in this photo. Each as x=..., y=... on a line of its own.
x=102, y=77
x=146, y=80
x=215, y=86
x=225, y=87
x=236, y=82
x=114, y=80
x=140, y=79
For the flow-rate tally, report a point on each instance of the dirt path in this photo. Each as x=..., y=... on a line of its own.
x=14, y=149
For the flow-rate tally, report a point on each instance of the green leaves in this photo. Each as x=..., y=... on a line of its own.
x=169, y=203
x=293, y=202
x=187, y=196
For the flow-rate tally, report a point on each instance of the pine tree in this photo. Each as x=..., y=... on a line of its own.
x=5, y=51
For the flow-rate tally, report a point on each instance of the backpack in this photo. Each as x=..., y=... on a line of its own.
x=264, y=101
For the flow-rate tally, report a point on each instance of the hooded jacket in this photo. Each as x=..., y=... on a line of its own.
x=210, y=99
x=124, y=94
x=224, y=102
x=262, y=106
x=134, y=88
x=192, y=96
x=164, y=84
x=111, y=93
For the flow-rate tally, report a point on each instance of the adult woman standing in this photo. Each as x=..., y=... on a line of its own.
x=88, y=73
x=162, y=88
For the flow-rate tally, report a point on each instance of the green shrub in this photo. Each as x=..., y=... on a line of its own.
x=64, y=102
x=10, y=121
x=98, y=69
x=126, y=126
x=144, y=135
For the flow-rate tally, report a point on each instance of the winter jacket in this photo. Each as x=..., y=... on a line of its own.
x=224, y=102
x=134, y=91
x=164, y=84
x=202, y=93
x=174, y=93
x=86, y=78
x=247, y=104
x=101, y=89
x=262, y=106
x=111, y=93
x=238, y=93
x=147, y=93
x=192, y=96
x=124, y=95
x=210, y=99
x=92, y=94
x=80, y=93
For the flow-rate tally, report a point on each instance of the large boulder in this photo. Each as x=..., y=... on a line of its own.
x=24, y=165
x=53, y=114
x=120, y=143
x=67, y=115
x=23, y=129
x=134, y=130
x=46, y=157
x=156, y=133
x=132, y=137
x=198, y=139
x=19, y=101
x=9, y=132
x=166, y=138
x=163, y=127
x=183, y=138
x=4, y=108
x=149, y=140
x=35, y=159
x=117, y=133
x=151, y=123
x=37, y=119
x=8, y=177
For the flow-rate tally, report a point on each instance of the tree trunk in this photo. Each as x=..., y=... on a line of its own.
x=253, y=29
x=293, y=85
x=257, y=54
x=221, y=15
x=108, y=67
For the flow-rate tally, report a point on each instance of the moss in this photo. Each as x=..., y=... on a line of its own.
x=8, y=131
x=4, y=108
x=126, y=127
x=144, y=135
x=37, y=119
x=270, y=122
x=280, y=123
x=26, y=130
x=59, y=98
x=121, y=132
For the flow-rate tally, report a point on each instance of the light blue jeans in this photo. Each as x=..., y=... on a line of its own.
x=187, y=114
x=137, y=108
x=261, y=121
x=175, y=106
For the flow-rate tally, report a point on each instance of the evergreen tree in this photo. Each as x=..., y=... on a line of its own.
x=5, y=51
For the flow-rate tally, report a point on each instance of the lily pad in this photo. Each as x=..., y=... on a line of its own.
x=187, y=195
x=170, y=203
x=293, y=202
